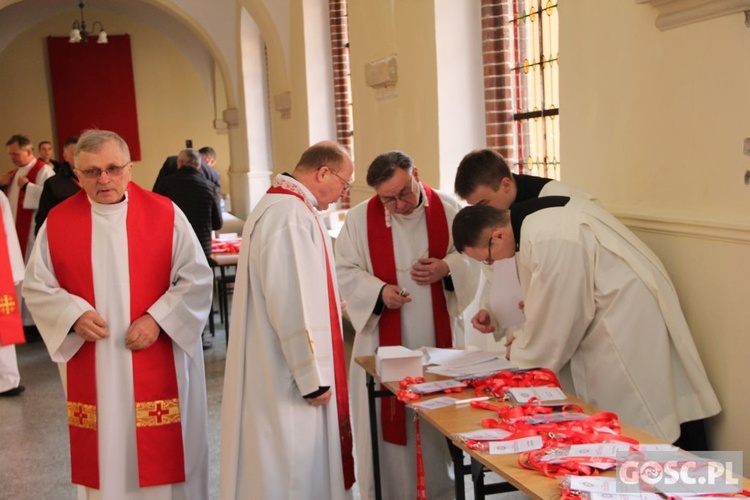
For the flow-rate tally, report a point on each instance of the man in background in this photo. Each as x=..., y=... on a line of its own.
x=120, y=290
x=209, y=157
x=196, y=197
x=209, y=172
x=285, y=429
x=23, y=185
x=46, y=151
x=60, y=186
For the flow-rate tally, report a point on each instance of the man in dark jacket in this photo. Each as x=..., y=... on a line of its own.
x=196, y=197
x=60, y=186
x=205, y=167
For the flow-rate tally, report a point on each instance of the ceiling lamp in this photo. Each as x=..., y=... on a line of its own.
x=79, y=34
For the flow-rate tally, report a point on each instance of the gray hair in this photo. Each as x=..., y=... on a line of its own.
x=91, y=141
x=190, y=158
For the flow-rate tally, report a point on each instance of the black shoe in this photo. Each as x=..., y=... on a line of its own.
x=13, y=392
x=207, y=344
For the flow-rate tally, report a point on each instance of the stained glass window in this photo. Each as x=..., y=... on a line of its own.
x=533, y=39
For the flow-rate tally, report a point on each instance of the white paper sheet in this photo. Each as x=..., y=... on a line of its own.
x=485, y=434
x=515, y=445
x=506, y=294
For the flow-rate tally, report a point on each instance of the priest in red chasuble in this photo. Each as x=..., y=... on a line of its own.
x=120, y=290
x=285, y=429
x=404, y=284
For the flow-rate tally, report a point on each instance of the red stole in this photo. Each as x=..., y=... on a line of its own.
x=11, y=324
x=339, y=363
x=23, y=215
x=380, y=244
x=150, y=225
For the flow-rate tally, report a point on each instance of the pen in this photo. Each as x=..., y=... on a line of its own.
x=464, y=401
x=402, y=293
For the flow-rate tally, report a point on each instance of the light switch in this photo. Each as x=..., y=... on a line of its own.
x=746, y=146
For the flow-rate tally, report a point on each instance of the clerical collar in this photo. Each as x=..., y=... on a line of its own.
x=287, y=181
x=525, y=208
x=109, y=208
x=528, y=187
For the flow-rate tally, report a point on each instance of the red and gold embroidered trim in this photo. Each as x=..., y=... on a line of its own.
x=159, y=412
x=8, y=304
x=81, y=415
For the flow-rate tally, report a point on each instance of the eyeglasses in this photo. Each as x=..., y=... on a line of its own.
x=95, y=173
x=403, y=195
x=347, y=185
x=489, y=260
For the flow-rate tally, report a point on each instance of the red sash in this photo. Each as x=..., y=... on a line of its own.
x=150, y=223
x=339, y=363
x=380, y=243
x=11, y=324
x=23, y=215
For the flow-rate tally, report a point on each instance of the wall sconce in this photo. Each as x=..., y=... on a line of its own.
x=79, y=34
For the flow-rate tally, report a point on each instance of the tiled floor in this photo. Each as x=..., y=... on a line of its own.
x=34, y=438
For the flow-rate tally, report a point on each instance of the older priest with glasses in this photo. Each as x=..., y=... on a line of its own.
x=403, y=282
x=285, y=430
x=120, y=290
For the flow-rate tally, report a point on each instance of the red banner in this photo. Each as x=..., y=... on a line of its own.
x=93, y=87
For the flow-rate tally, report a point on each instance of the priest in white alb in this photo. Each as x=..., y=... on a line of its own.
x=120, y=290
x=285, y=429
x=404, y=284
x=23, y=185
x=601, y=311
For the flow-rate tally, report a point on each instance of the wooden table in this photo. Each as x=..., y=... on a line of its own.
x=456, y=419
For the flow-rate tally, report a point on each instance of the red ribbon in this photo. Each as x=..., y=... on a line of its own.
x=421, y=483
x=220, y=246
x=495, y=385
x=555, y=435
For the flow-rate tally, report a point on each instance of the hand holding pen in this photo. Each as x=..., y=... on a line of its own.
x=394, y=297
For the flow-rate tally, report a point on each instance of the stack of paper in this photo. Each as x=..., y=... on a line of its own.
x=474, y=363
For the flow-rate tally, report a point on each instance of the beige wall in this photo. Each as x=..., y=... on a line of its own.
x=173, y=103
x=408, y=121
x=653, y=123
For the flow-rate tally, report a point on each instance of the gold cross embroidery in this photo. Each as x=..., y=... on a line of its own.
x=81, y=415
x=159, y=412
x=7, y=304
